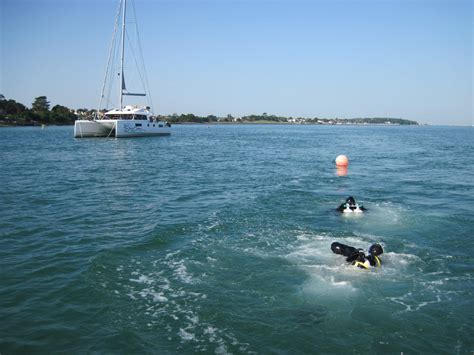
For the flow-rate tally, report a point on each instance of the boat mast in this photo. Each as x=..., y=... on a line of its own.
x=122, y=54
x=110, y=59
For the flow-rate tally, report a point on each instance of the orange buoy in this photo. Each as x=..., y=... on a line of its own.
x=341, y=170
x=342, y=160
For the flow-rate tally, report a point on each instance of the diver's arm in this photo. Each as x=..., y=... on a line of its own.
x=353, y=256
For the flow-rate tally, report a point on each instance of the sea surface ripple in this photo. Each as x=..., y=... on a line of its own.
x=217, y=240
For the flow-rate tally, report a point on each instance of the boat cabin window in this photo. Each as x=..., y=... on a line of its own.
x=119, y=117
x=138, y=124
x=140, y=117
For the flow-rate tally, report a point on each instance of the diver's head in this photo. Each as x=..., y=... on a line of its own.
x=375, y=249
x=350, y=200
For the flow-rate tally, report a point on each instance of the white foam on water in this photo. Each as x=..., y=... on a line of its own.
x=142, y=279
x=186, y=336
x=164, y=296
x=214, y=336
x=213, y=225
x=397, y=263
x=422, y=289
x=331, y=276
x=221, y=349
x=328, y=287
x=303, y=236
x=413, y=304
x=328, y=273
x=170, y=255
x=181, y=271
x=211, y=332
x=382, y=216
x=158, y=297
x=352, y=214
x=387, y=212
x=339, y=283
x=193, y=319
x=151, y=293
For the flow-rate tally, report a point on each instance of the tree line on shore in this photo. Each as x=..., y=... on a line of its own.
x=15, y=113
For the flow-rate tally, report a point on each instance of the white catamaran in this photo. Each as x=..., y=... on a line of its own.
x=126, y=120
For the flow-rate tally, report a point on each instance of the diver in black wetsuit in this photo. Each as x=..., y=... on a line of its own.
x=357, y=257
x=351, y=206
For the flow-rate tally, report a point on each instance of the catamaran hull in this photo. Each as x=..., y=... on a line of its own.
x=120, y=128
x=85, y=128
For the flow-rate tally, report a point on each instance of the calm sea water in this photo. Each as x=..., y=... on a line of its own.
x=217, y=240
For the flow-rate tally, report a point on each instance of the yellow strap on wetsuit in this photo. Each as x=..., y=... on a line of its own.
x=360, y=264
x=377, y=260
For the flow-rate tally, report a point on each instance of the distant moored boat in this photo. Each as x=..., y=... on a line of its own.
x=127, y=120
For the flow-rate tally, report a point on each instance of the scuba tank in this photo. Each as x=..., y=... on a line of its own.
x=342, y=249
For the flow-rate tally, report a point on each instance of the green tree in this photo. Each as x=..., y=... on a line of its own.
x=40, y=105
x=11, y=107
x=61, y=114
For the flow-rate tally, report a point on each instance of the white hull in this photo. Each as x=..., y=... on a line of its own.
x=120, y=128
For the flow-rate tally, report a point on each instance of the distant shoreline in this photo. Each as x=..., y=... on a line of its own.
x=2, y=125
x=237, y=122
x=13, y=113
x=293, y=123
x=272, y=119
x=252, y=123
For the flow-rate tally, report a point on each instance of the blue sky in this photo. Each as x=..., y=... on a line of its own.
x=324, y=58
